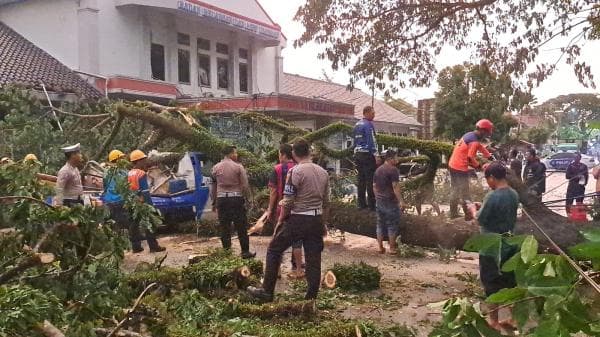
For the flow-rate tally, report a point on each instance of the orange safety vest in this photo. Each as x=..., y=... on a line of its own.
x=133, y=177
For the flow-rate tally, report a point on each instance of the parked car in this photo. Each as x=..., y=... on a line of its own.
x=561, y=160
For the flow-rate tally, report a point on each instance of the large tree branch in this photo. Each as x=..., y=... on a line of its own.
x=111, y=137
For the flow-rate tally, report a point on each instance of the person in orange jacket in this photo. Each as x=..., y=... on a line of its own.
x=138, y=181
x=463, y=158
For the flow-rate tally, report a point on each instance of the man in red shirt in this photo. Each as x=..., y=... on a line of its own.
x=463, y=158
x=276, y=186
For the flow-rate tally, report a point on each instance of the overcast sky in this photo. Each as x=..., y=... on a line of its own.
x=304, y=61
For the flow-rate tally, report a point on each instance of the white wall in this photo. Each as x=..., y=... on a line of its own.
x=121, y=40
x=267, y=70
x=51, y=25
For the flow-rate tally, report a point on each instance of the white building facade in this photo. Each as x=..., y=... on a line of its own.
x=157, y=48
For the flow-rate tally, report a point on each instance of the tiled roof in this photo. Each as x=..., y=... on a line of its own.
x=308, y=87
x=23, y=63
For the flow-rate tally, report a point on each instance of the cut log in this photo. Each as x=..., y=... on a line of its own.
x=46, y=258
x=240, y=277
x=329, y=280
x=281, y=309
x=259, y=226
x=244, y=272
x=49, y=330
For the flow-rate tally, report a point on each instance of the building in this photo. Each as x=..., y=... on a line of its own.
x=23, y=63
x=426, y=116
x=222, y=55
x=157, y=48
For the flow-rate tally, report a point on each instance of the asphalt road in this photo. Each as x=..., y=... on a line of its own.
x=556, y=189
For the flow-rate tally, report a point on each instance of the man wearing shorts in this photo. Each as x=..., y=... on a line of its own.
x=388, y=201
x=498, y=214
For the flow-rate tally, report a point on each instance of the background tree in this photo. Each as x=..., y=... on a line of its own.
x=538, y=135
x=398, y=40
x=468, y=93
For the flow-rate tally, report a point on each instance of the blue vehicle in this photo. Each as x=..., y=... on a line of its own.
x=185, y=203
x=189, y=203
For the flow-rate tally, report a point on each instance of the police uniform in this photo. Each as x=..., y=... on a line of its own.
x=306, y=194
x=231, y=181
x=69, y=189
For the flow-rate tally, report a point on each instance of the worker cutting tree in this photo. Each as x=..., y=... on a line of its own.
x=463, y=159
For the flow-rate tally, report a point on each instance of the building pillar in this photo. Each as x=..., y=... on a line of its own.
x=234, y=61
x=253, y=66
x=278, y=69
x=89, y=44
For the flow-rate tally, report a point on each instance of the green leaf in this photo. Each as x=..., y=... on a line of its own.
x=512, y=263
x=520, y=313
x=549, y=291
x=481, y=242
x=547, y=327
x=529, y=249
x=515, y=240
x=549, y=270
x=592, y=234
x=507, y=295
x=586, y=251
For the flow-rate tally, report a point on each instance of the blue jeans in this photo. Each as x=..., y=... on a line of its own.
x=388, y=219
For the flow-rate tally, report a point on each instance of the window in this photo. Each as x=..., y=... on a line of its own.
x=243, y=69
x=203, y=70
x=222, y=49
x=243, y=77
x=183, y=39
x=183, y=66
x=223, y=73
x=243, y=54
x=203, y=44
x=157, y=61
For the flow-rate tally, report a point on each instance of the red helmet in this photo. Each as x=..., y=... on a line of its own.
x=486, y=125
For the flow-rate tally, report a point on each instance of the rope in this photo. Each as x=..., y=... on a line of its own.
x=563, y=254
x=593, y=194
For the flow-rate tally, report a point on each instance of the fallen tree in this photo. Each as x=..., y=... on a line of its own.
x=417, y=230
x=178, y=125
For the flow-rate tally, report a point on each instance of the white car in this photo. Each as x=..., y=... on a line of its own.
x=560, y=161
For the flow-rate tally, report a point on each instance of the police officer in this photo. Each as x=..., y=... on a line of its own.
x=365, y=149
x=305, y=205
x=229, y=185
x=69, y=189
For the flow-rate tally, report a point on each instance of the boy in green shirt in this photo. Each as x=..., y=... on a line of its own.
x=498, y=214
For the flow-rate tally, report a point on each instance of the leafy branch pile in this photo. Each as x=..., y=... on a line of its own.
x=357, y=277
x=550, y=299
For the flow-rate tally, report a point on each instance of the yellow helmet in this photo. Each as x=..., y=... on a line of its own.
x=137, y=155
x=30, y=157
x=115, y=155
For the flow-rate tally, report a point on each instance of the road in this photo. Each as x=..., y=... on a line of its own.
x=556, y=189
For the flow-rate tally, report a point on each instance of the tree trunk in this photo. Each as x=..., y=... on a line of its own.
x=431, y=231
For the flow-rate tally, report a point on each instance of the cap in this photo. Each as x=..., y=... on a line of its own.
x=72, y=148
